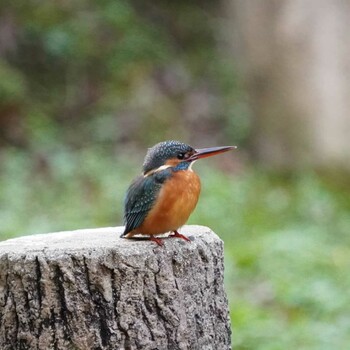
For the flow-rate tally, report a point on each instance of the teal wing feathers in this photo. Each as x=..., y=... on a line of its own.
x=140, y=199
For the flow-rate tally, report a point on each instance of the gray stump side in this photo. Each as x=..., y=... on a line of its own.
x=90, y=289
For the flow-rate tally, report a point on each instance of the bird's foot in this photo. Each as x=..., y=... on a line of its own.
x=179, y=235
x=157, y=240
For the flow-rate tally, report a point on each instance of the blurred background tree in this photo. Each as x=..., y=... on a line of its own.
x=86, y=86
x=295, y=55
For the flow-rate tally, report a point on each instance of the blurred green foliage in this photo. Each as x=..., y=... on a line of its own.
x=85, y=86
x=115, y=72
x=287, y=256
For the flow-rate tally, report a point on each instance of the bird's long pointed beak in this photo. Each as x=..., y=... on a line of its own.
x=208, y=152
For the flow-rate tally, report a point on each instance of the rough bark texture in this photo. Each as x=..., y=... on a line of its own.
x=89, y=289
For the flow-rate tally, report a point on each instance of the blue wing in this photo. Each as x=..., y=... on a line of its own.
x=140, y=199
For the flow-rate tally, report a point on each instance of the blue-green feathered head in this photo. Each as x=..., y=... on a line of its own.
x=167, y=153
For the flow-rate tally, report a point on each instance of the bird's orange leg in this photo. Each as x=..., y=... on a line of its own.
x=179, y=235
x=157, y=240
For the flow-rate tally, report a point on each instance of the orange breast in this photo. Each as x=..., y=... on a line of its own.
x=175, y=203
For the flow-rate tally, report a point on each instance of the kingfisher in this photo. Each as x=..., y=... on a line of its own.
x=163, y=197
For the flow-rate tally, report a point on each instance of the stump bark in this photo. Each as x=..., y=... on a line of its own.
x=89, y=289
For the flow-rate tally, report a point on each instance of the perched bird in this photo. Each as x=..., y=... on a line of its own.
x=162, y=198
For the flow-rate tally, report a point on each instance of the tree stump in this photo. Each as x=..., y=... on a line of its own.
x=90, y=289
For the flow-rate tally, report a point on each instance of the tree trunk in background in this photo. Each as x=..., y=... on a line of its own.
x=296, y=56
x=90, y=289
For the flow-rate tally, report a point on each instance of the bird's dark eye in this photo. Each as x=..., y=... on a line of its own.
x=181, y=156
